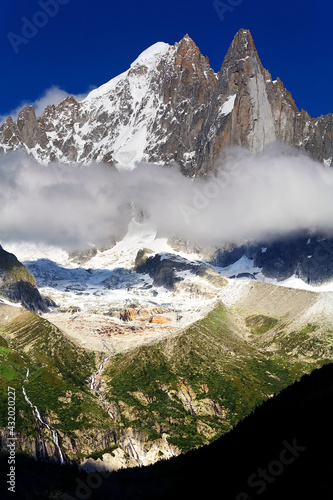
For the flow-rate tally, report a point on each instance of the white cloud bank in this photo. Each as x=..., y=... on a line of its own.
x=252, y=197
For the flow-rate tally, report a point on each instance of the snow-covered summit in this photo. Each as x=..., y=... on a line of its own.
x=149, y=56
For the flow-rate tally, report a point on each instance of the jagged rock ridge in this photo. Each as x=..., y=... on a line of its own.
x=170, y=106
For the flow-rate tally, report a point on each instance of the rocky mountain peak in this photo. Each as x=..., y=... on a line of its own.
x=242, y=43
x=186, y=44
x=27, y=124
x=190, y=67
x=69, y=101
x=188, y=57
x=241, y=62
x=27, y=113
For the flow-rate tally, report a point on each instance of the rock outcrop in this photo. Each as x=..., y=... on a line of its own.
x=18, y=285
x=305, y=256
x=169, y=271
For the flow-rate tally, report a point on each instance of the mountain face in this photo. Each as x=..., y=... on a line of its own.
x=305, y=256
x=261, y=110
x=170, y=106
x=18, y=285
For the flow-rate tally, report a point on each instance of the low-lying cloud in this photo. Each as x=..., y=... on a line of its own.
x=251, y=197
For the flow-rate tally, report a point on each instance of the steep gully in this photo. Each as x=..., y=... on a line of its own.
x=94, y=386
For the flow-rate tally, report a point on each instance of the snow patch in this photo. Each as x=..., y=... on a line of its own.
x=8, y=303
x=228, y=106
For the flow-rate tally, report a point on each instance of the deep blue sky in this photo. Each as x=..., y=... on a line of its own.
x=90, y=41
